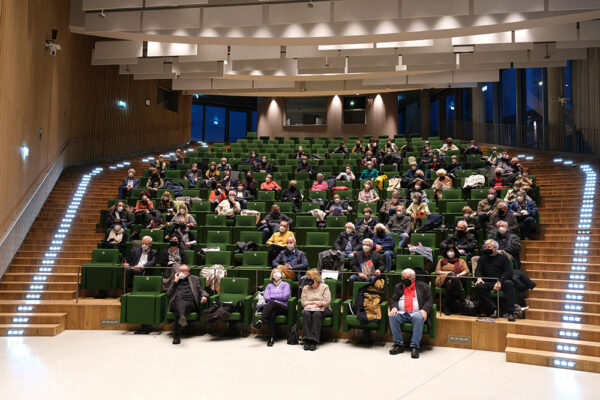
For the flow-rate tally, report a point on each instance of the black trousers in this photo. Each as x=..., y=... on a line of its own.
x=311, y=324
x=269, y=312
x=489, y=303
x=181, y=307
x=273, y=251
x=454, y=293
x=131, y=273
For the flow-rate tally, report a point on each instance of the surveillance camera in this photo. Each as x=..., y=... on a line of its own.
x=310, y=4
x=52, y=47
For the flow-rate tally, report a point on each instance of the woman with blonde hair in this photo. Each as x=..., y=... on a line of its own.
x=316, y=303
x=277, y=294
x=183, y=217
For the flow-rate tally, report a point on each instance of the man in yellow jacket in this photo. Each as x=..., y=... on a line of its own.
x=278, y=240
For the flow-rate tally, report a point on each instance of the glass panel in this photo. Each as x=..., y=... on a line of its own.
x=254, y=118
x=488, y=95
x=567, y=88
x=237, y=125
x=509, y=100
x=449, y=107
x=534, y=99
x=214, y=125
x=306, y=111
x=467, y=106
x=434, y=120
x=197, y=122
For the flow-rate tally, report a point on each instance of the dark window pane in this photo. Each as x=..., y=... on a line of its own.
x=450, y=107
x=237, y=125
x=488, y=94
x=467, y=107
x=254, y=118
x=197, y=122
x=434, y=120
x=214, y=125
x=509, y=100
x=534, y=98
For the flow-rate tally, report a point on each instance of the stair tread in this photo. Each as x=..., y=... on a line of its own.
x=34, y=314
x=552, y=354
x=30, y=326
x=552, y=339
x=579, y=313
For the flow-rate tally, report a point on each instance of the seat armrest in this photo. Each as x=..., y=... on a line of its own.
x=247, y=310
x=384, y=317
x=292, y=310
x=213, y=299
x=160, y=307
x=124, y=299
x=336, y=307
x=346, y=313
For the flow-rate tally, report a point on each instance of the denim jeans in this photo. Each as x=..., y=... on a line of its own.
x=388, y=255
x=356, y=278
x=417, y=321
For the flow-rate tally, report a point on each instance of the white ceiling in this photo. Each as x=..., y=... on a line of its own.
x=286, y=48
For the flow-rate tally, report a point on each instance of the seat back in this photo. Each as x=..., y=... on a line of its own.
x=264, y=195
x=201, y=206
x=218, y=257
x=455, y=207
x=260, y=206
x=307, y=206
x=105, y=256
x=233, y=289
x=409, y=261
x=255, y=259
x=156, y=235
x=245, y=220
x=336, y=222
x=317, y=239
x=356, y=287
x=452, y=194
x=426, y=239
x=147, y=284
x=285, y=208
x=251, y=236
x=218, y=237
x=216, y=220
x=306, y=221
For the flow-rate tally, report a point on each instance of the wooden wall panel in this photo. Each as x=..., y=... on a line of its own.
x=69, y=100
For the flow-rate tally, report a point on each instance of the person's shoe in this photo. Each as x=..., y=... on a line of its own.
x=469, y=305
x=396, y=349
x=313, y=346
x=176, y=340
x=306, y=346
x=494, y=314
x=182, y=322
x=257, y=324
x=271, y=342
x=414, y=353
x=447, y=311
x=512, y=318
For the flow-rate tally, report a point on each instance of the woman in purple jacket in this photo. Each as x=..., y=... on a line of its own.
x=277, y=295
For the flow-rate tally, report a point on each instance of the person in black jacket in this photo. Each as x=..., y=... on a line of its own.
x=465, y=242
x=263, y=166
x=410, y=303
x=118, y=214
x=139, y=259
x=495, y=272
x=366, y=226
x=292, y=195
x=367, y=264
x=508, y=241
x=128, y=184
x=270, y=224
x=171, y=259
x=304, y=166
x=348, y=241
x=186, y=294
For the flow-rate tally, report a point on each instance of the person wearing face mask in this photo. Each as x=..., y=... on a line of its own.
x=229, y=207
x=493, y=156
x=263, y=165
x=348, y=241
x=155, y=182
x=511, y=195
x=494, y=272
x=347, y=175
x=227, y=183
x=453, y=167
x=410, y=174
x=514, y=169
x=509, y=243
x=139, y=259
x=433, y=166
x=473, y=149
x=217, y=195
x=368, y=194
x=316, y=306
x=463, y=241
x=290, y=258
x=527, y=182
x=269, y=184
x=411, y=303
x=171, y=259
x=304, y=166
x=358, y=148
x=224, y=166
x=417, y=210
x=417, y=185
x=366, y=226
x=186, y=294
x=367, y=264
x=342, y=149
x=391, y=145
x=242, y=195
x=390, y=205
x=183, y=217
x=193, y=176
x=277, y=294
x=449, y=146
x=384, y=244
x=320, y=183
x=212, y=174
x=119, y=213
x=370, y=173
x=370, y=157
x=469, y=217
x=336, y=207
x=160, y=165
x=498, y=182
x=143, y=207
x=525, y=212
x=278, y=241
x=115, y=238
x=292, y=195
x=166, y=205
x=272, y=221
x=129, y=183
x=443, y=181
x=502, y=214
x=252, y=159
x=400, y=223
x=250, y=184
x=487, y=206
x=389, y=158
x=300, y=153
x=448, y=271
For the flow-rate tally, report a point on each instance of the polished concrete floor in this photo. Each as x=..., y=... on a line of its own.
x=120, y=365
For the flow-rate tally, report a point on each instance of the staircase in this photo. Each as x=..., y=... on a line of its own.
x=562, y=328
x=48, y=315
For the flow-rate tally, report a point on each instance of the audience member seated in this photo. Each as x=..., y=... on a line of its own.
x=320, y=183
x=252, y=159
x=384, y=244
x=272, y=221
x=502, y=214
x=292, y=195
x=186, y=294
x=508, y=242
x=411, y=303
x=493, y=158
x=348, y=241
x=291, y=258
x=390, y=204
x=170, y=260
x=347, y=175
x=525, y=211
x=183, y=216
x=316, y=303
x=418, y=210
x=434, y=165
x=366, y=225
x=389, y=158
x=367, y=264
x=463, y=241
x=473, y=149
x=119, y=214
x=216, y=196
x=300, y=153
x=368, y=194
x=426, y=160
x=448, y=271
x=511, y=195
x=418, y=185
x=193, y=176
x=160, y=165
x=527, y=182
x=358, y=148
x=224, y=166
x=342, y=149
x=242, y=195
x=142, y=208
x=185, y=236
x=400, y=223
x=473, y=224
x=411, y=173
x=155, y=182
x=513, y=170
x=369, y=158
x=269, y=184
x=278, y=241
x=391, y=145
x=250, y=184
x=115, y=238
x=443, y=181
x=229, y=207
x=494, y=272
x=263, y=165
x=304, y=166
x=369, y=173
x=487, y=206
x=227, y=183
x=277, y=293
x=498, y=182
x=337, y=207
x=453, y=167
x=212, y=174
x=448, y=146
x=166, y=205
x=139, y=259
x=176, y=158
x=129, y=183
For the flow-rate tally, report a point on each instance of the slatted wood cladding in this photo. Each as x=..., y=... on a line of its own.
x=69, y=100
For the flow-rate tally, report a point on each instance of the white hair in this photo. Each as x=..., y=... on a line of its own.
x=350, y=225
x=147, y=238
x=369, y=241
x=462, y=222
x=409, y=272
x=493, y=242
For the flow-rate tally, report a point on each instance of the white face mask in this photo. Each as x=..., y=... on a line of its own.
x=120, y=209
x=277, y=276
x=145, y=247
x=118, y=228
x=130, y=175
x=466, y=215
x=520, y=199
x=367, y=187
x=282, y=229
x=348, y=171
x=417, y=187
x=181, y=211
x=491, y=197
x=502, y=230
x=367, y=215
x=450, y=254
x=336, y=201
x=349, y=231
x=144, y=197
x=416, y=201
x=290, y=247
x=366, y=248
x=232, y=198
x=240, y=188
x=182, y=275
